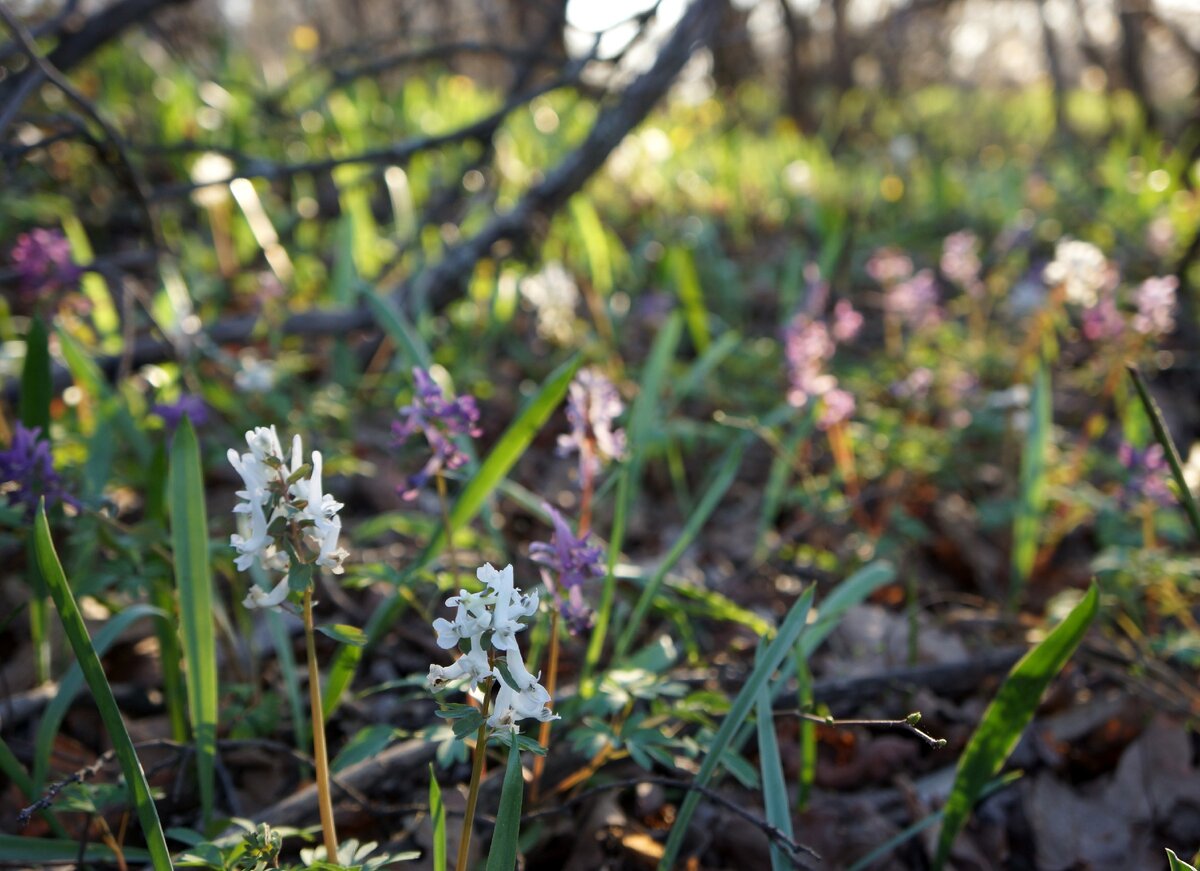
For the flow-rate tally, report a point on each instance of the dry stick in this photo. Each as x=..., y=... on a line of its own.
x=908, y=724
x=320, y=756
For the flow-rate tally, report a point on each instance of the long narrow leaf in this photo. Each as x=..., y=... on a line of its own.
x=193, y=584
x=33, y=404
x=1008, y=715
x=72, y=684
x=1032, y=496
x=437, y=817
x=81, y=643
x=1177, y=864
x=774, y=787
x=16, y=850
x=1168, y=446
x=722, y=479
x=793, y=625
x=502, y=854
x=641, y=418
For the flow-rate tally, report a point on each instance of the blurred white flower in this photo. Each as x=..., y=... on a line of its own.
x=1082, y=269
x=254, y=375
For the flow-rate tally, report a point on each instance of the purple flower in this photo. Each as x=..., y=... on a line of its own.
x=1148, y=474
x=573, y=560
x=837, y=406
x=916, y=386
x=846, y=321
x=172, y=412
x=1155, y=299
x=807, y=348
x=915, y=300
x=440, y=420
x=593, y=405
x=43, y=262
x=27, y=472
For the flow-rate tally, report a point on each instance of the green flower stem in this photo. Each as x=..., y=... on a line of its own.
x=320, y=755
x=464, y=841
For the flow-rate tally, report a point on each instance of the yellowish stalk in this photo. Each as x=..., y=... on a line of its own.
x=464, y=841
x=320, y=754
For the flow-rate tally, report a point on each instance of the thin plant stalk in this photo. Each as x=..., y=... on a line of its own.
x=464, y=841
x=587, y=487
x=444, y=501
x=320, y=755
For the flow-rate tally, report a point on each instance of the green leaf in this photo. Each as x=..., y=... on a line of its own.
x=791, y=629
x=193, y=585
x=682, y=267
x=1008, y=715
x=93, y=672
x=72, y=684
x=437, y=815
x=502, y=854
x=511, y=446
x=1031, y=500
x=1178, y=864
x=15, y=850
x=721, y=481
x=641, y=418
x=1168, y=446
x=774, y=787
x=363, y=745
x=33, y=404
x=344, y=633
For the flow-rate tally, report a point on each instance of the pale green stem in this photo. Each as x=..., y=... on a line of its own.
x=320, y=755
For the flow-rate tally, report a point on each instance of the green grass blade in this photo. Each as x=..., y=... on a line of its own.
x=33, y=404
x=910, y=832
x=789, y=632
x=193, y=584
x=774, y=787
x=1031, y=498
x=502, y=854
x=93, y=672
x=681, y=265
x=1178, y=864
x=33, y=408
x=34, y=852
x=722, y=479
x=393, y=322
x=808, y=731
x=72, y=684
x=1008, y=715
x=507, y=451
x=1164, y=438
x=641, y=418
x=437, y=817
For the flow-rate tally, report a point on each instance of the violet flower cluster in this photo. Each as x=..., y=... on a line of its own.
x=42, y=259
x=960, y=261
x=491, y=618
x=27, y=472
x=172, y=413
x=593, y=405
x=567, y=561
x=809, y=345
x=1148, y=470
x=440, y=420
x=285, y=511
x=911, y=297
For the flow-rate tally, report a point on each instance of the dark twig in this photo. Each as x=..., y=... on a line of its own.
x=795, y=849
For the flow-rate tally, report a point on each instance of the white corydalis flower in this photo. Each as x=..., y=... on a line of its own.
x=496, y=611
x=309, y=516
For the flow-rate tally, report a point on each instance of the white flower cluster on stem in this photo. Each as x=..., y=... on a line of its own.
x=283, y=511
x=492, y=618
